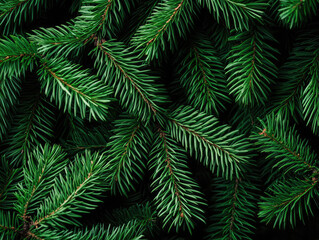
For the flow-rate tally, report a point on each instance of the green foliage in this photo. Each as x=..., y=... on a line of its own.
x=8, y=224
x=78, y=185
x=310, y=102
x=178, y=198
x=293, y=13
x=139, y=17
x=84, y=138
x=74, y=193
x=44, y=165
x=143, y=213
x=9, y=93
x=295, y=95
x=15, y=12
x=122, y=119
x=33, y=125
x=203, y=78
x=236, y=14
x=289, y=201
x=17, y=55
x=131, y=80
x=75, y=90
x=245, y=119
x=289, y=196
x=128, y=152
x=170, y=20
x=219, y=36
x=8, y=181
x=106, y=17
x=234, y=207
x=62, y=40
x=286, y=151
x=132, y=230
x=287, y=94
x=95, y=18
x=252, y=66
x=218, y=147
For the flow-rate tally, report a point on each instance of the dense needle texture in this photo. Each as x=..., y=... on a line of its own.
x=159, y=119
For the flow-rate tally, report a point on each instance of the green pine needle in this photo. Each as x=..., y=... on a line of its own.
x=178, y=199
x=74, y=89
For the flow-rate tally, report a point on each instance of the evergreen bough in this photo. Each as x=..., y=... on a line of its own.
x=157, y=119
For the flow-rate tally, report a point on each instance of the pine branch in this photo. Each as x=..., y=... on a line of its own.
x=289, y=201
x=138, y=18
x=236, y=14
x=75, y=192
x=144, y=213
x=104, y=18
x=9, y=177
x=245, y=119
x=83, y=138
x=132, y=230
x=251, y=68
x=63, y=40
x=43, y=195
x=15, y=12
x=17, y=55
x=218, y=147
x=9, y=225
x=33, y=236
x=272, y=12
x=178, y=198
x=39, y=173
x=219, y=35
x=290, y=97
x=234, y=207
x=286, y=152
x=170, y=18
x=132, y=81
x=95, y=18
x=310, y=101
x=128, y=152
x=33, y=125
x=286, y=102
x=202, y=76
x=294, y=13
x=9, y=93
x=75, y=90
